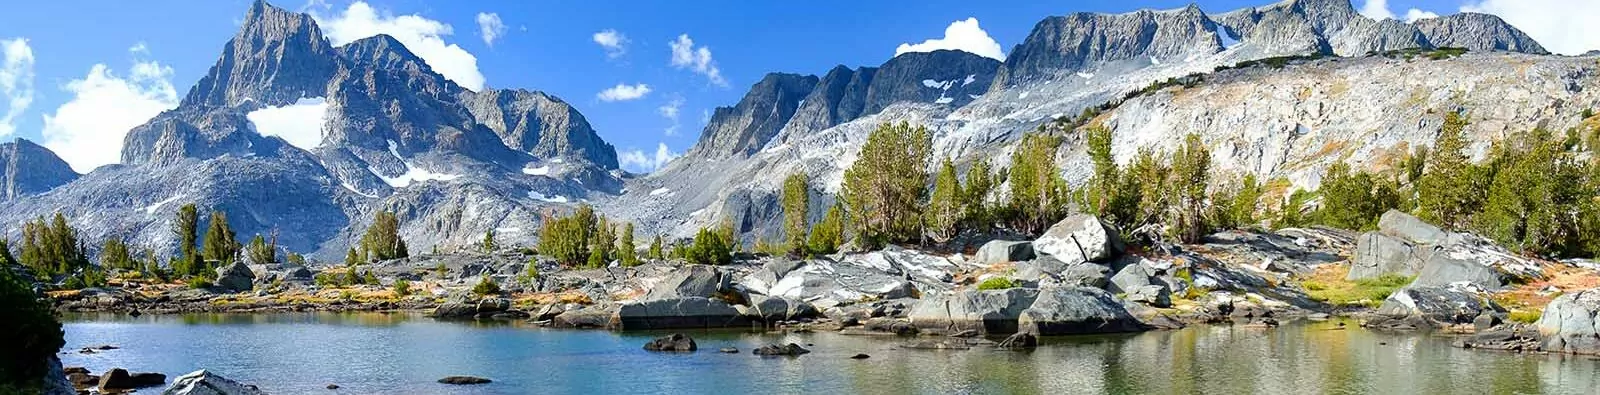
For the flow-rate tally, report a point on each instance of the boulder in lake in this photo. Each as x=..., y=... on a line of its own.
x=789, y=350
x=1429, y=307
x=1080, y=238
x=464, y=380
x=1003, y=251
x=773, y=309
x=202, y=382
x=455, y=310
x=116, y=379
x=678, y=313
x=1571, y=323
x=676, y=342
x=597, y=316
x=1072, y=311
x=982, y=311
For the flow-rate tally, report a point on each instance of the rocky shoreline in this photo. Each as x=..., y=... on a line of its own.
x=1077, y=278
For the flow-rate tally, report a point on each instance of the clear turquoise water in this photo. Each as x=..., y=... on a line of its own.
x=398, y=354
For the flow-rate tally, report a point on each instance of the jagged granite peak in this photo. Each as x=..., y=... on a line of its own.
x=1319, y=26
x=540, y=124
x=942, y=77
x=1060, y=44
x=30, y=169
x=745, y=128
x=194, y=132
x=276, y=58
x=839, y=97
x=1477, y=32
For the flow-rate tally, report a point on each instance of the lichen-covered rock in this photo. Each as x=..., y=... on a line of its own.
x=702, y=281
x=1428, y=307
x=1080, y=238
x=202, y=382
x=1002, y=251
x=1571, y=323
x=1072, y=311
x=984, y=312
x=678, y=313
x=235, y=277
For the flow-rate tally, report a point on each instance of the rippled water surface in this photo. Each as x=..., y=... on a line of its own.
x=401, y=354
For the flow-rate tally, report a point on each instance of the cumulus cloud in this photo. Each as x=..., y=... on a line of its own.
x=614, y=42
x=670, y=112
x=422, y=36
x=624, y=92
x=964, y=35
x=1562, y=26
x=687, y=56
x=490, y=27
x=1376, y=9
x=1412, y=15
x=640, y=162
x=300, y=123
x=88, y=129
x=16, y=81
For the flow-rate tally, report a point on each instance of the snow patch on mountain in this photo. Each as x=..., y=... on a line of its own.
x=300, y=123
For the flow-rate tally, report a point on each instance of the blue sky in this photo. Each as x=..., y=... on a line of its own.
x=84, y=73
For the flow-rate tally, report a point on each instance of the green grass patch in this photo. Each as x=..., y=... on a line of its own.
x=1369, y=292
x=1525, y=316
x=997, y=283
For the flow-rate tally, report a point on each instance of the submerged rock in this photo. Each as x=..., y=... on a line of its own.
x=1018, y=341
x=464, y=380
x=673, y=342
x=790, y=350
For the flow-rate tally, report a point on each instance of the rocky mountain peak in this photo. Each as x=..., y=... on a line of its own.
x=1479, y=32
x=540, y=124
x=1063, y=44
x=743, y=129
x=29, y=169
x=276, y=58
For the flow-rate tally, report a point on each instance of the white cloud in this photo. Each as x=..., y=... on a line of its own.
x=670, y=112
x=960, y=35
x=615, y=43
x=624, y=92
x=1376, y=9
x=88, y=129
x=300, y=123
x=16, y=81
x=1562, y=26
x=640, y=162
x=686, y=56
x=422, y=36
x=490, y=27
x=1412, y=15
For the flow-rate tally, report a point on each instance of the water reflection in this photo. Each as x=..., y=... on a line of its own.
x=398, y=353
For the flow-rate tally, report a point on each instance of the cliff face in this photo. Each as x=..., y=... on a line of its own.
x=30, y=169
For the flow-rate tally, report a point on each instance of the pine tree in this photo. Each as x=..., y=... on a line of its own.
x=488, y=245
x=885, y=187
x=1450, y=191
x=52, y=248
x=1191, y=169
x=186, y=228
x=6, y=259
x=944, y=207
x=220, y=244
x=382, y=239
x=1150, y=176
x=1038, y=193
x=656, y=252
x=262, y=251
x=828, y=234
x=605, y=241
x=1247, y=202
x=709, y=248
x=980, y=183
x=351, y=258
x=566, y=238
x=796, y=203
x=114, y=254
x=626, y=251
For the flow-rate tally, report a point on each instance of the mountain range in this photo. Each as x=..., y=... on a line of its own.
x=453, y=163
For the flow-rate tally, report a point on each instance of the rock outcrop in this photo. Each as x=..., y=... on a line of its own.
x=742, y=130
x=1477, y=32
x=1433, y=307
x=30, y=169
x=202, y=382
x=1571, y=323
x=1044, y=312
x=1080, y=238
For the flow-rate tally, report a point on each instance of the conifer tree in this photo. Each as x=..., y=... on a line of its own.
x=186, y=227
x=1038, y=193
x=382, y=239
x=1449, y=191
x=115, y=255
x=828, y=234
x=656, y=252
x=488, y=245
x=885, y=187
x=979, y=184
x=260, y=250
x=220, y=243
x=796, y=203
x=1191, y=169
x=626, y=251
x=944, y=207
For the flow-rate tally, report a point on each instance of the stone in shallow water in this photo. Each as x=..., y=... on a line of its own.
x=790, y=350
x=464, y=380
x=202, y=382
x=673, y=342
